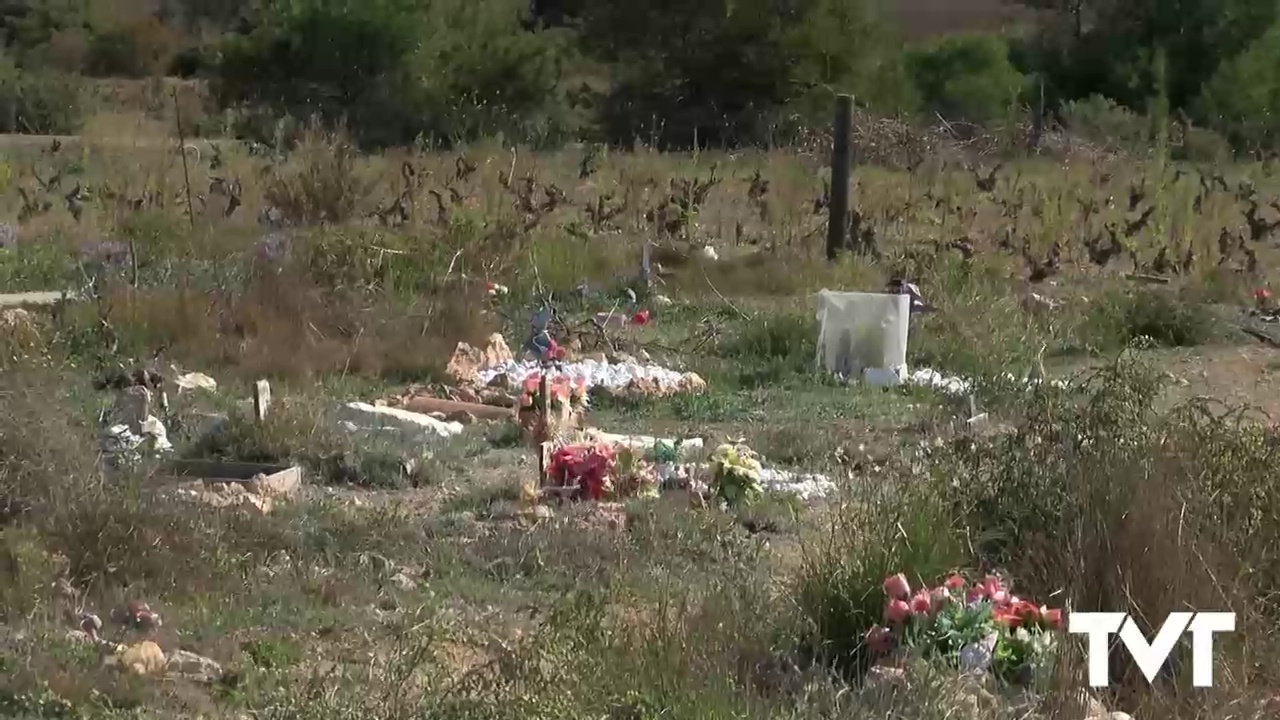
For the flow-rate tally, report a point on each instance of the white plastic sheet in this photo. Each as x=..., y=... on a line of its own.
x=864, y=335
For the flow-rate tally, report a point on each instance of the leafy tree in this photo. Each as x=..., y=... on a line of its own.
x=967, y=77
x=1242, y=99
x=1110, y=46
x=28, y=25
x=717, y=70
x=395, y=69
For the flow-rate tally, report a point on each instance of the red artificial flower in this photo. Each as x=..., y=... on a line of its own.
x=896, y=611
x=896, y=587
x=1262, y=294
x=921, y=603
x=640, y=318
x=955, y=582
x=1028, y=612
x=1005, y=616
x=1051, y=617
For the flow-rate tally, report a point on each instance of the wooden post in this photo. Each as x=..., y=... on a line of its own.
x=186, y=174
x=645, y=264
x=841, y=166
x=544, y=421
x=261, y=400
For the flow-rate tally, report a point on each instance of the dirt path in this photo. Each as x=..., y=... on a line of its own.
x=1243, y=375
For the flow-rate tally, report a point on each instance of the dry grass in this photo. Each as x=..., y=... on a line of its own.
x=340, y=274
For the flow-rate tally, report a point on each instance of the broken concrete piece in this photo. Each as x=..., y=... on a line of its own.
x=132, y=405
x=688, y=449
x=244, y=485
x=261, y=400
x=276, y=485
x=190, y=666
x=412, y=419
x=467, y=362
x=155, y=431
x=34, y=299
x=194, y=381
x=145, y=659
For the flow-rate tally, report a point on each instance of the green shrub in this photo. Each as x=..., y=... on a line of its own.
x=966, y=77
x=906, y=528
x=1100, y=120
x=717, y=72
x=42, y=102
x=1098, y=498
x=1242, y=99
x=395, y=71
x=1124, y=316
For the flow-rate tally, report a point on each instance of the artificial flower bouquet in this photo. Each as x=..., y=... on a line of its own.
x=634, y=475
x=567, y=402
x=735, y=475
x=589, y=468
x=976, y=627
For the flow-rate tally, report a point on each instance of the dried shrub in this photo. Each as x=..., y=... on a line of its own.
x=321, y=183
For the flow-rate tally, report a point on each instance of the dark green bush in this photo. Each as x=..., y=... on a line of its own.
x=395, y=71
x=1163, y=318
x=1242, y=100
x=966, y=77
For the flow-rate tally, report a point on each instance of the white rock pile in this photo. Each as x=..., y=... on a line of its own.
x=596, y=374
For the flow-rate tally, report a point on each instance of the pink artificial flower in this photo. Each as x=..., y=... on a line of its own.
x=896, y=587
x=975, y=593
x=879, y=639
x=531, y=382
x=553, y=351
x=922, y=603
x=896, y=611
x=996, y=591
x=955, y=582
x=992, y=584
x=1262, y=295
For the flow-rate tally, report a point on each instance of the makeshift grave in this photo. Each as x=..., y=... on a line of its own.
x=549, y=407
x=864, y=336
x=228, y=484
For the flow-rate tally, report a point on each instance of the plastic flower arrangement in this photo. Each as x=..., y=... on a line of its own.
x=589, y=467
x=633, y=475
x=561, y=391
x=976, y=627
x=735, y=475
x=567, y=399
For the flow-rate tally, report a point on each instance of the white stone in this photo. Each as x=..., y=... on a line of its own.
x=402, y=419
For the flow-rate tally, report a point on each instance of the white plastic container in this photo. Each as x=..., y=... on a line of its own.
x=864, y=335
